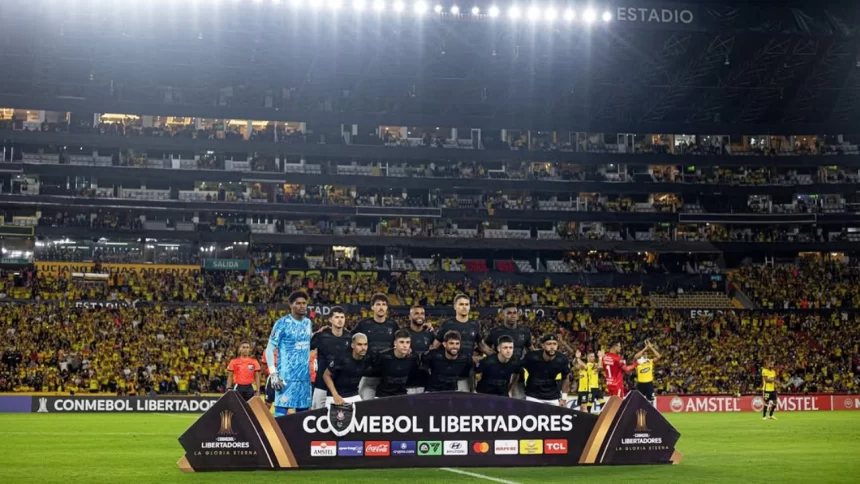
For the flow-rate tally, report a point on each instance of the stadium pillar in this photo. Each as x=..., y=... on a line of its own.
x=249, y=127
x=146, y=121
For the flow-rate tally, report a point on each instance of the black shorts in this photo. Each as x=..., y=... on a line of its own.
x=770, y=397
x=646, y=389
x=247, y=391
x=596, y=394
x=583, y=398
x=270, y=394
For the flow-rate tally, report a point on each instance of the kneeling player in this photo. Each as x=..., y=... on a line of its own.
x=645, y=373
x=497, y=370
x=344, y=374
x=768, y=377
x=543, y=367
x=395, y=366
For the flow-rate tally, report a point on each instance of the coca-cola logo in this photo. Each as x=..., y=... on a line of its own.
x=757, y=403
x=377, y=449
x=677, y=404
x=849, y=403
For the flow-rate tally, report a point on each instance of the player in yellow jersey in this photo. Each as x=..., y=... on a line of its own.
x=586, y=380
x=645, y=372
x=768, y=387
x=594, y=384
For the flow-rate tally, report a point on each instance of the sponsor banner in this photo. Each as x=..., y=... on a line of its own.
x=227, y=264
x=15, y=404
x=659, y=16
x=12, y=261
x=756, y=403
x=87, y=404
x=106, y=304
x=476, y=430
x=65, y=269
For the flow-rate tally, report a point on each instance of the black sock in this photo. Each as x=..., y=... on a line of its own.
x=764, y=412
x=772, y=409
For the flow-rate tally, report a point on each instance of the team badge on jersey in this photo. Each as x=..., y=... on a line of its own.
x=341, y=418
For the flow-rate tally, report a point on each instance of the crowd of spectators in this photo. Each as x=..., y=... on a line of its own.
x=809, y=284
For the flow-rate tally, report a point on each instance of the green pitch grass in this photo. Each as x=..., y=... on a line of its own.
x=731, y=448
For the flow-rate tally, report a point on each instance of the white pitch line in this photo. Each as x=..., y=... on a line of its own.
x=179, y=416
x=477, y=476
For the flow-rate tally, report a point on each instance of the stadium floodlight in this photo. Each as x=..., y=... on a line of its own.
x=420, y=8
x=399, y=6
x=514, y=12
x=379, y=5
x=551, y=14
x=295, y=3
x=607, y=16
x=455, y=10
x=533, y=13
x=494, y=11
x=276, y=2
x=476, y=11
x=437, y=8
x=570, y=15
x=359, y=4
x=589, y=15
x=335, y=4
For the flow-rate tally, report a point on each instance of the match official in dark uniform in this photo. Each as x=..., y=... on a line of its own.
x=243, y=373
x=543, y=368
x=344, y=374
x=496, y=371
x=395, y=366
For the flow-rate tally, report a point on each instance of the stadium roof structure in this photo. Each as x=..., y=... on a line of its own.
x=624, y=66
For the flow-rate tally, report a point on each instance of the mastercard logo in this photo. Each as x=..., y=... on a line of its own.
x=480, y=447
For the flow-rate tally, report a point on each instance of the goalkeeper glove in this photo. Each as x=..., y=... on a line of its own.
x=276, y=382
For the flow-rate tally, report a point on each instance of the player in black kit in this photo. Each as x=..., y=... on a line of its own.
x=380, y=337
x=421, y=341
x=496, y=371
x=445, y=365
x=543, y=366
x=331, y=344
x=343, y=375
x=521, y=336
x=470, y=334
x=395, y=366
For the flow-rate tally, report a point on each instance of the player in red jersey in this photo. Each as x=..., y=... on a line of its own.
x=614, y=368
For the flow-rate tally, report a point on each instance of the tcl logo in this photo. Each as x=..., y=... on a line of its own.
x=377, y=449
x=558, y=446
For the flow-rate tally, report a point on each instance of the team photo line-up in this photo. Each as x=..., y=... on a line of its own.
x=378, y=359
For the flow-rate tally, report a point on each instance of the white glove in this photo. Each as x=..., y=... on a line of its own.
x=276, y=382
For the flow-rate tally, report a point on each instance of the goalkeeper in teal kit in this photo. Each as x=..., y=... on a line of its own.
x=291, y=376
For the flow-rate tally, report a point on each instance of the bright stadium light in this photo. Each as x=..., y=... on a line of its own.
x=607, y=16
x=589, y=15
x=420, y=8
x=359, y=4
x=514, y=12
x=335, y=4
x=494, y=11
x=551, y=14
x=276, y=2
x=533, y=13
x=379, y=5
x=455, y=10
x=569, y=15
x=295, y=3
x=399, y=6
x=437, y=9
x=476, y=11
